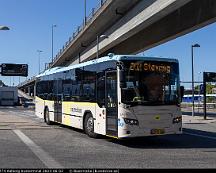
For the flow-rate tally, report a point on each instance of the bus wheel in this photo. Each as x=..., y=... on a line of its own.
x=89, y=126
x=47, y=118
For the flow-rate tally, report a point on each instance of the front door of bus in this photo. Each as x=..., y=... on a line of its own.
x=111, y=103
x=58, y=101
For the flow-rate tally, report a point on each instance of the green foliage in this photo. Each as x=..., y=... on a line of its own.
x=210, y=100
x=209, y=88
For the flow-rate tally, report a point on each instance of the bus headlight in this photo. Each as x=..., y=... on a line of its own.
x=177, y=120
x=131, y=121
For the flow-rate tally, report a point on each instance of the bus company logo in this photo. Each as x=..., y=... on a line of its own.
x=76, y=110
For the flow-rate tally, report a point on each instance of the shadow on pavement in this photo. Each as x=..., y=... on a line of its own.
x=199, y=114
x=181, y=141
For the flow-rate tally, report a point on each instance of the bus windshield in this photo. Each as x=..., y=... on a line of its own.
x=150, y=83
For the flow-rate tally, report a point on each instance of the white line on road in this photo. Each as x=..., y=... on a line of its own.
x=202, y=136
x=38, y=151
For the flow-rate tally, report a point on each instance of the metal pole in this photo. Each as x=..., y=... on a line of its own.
x=192, y=81
x=79, y=58
x=85, y=12
x=204, y=94
x=97, y=47
x=39, y=69
x=52, y=43
x=199, y=90
x=38, y=62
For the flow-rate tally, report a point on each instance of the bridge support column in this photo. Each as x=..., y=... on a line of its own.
x=29, y=91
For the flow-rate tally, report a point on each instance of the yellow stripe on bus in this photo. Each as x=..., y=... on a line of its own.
x=112, y=136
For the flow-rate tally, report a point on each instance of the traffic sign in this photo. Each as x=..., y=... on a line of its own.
x=14, y=69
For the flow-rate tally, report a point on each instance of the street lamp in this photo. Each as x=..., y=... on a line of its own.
x=4, y=28
x=98, y=39
x=84, y=12
x=193, y=46
x=39, y=51
x=52, y=40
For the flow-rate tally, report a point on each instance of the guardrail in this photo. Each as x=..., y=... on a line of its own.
x=27, y=81
x=199, y=105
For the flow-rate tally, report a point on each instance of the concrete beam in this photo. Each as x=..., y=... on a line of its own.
x=192, y=16
x=109, y=13
x=143, y=15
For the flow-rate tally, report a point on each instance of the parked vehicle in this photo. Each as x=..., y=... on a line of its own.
x=8, y=96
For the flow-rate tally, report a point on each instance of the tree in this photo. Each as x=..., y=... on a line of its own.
x=209, y=88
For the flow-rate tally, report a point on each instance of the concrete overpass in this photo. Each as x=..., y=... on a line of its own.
x=28, y=86
x=135, y=26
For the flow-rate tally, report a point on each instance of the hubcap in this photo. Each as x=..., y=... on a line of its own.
x=90, y=124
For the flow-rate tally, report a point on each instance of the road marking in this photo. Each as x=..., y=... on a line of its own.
x=202, y=136
x=38, y=151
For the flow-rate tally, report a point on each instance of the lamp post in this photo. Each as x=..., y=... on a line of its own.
x=52, y=40
x=84, y=12
x=39, y=52
x=4, y=28
x=98, y=39
x=192, y=55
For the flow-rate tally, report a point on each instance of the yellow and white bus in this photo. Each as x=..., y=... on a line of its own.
x=118, y=96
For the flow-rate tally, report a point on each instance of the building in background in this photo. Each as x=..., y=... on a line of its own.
x=8, y=96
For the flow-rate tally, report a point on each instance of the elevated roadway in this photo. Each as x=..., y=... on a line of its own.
x=28, y=87
x=110, y=12
x=134, y=26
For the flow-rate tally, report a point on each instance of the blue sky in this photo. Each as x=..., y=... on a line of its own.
x=30, y=22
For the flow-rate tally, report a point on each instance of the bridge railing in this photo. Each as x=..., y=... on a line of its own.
x=26, y=81
x=75, y=34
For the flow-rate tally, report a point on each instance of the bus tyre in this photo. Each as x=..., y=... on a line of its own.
x=46, y=117
x=89, y=126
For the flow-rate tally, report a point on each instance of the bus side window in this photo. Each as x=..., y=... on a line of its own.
x=100, y=91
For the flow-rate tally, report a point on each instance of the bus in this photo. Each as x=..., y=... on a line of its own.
x=198, y=98
x=118, y=96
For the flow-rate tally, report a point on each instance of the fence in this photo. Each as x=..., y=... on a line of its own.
x=198, y=98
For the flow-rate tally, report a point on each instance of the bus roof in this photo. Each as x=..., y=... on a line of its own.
x=110, y=57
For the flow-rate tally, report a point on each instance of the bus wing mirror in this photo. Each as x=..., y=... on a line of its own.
x=122, y=85
x=182, y=92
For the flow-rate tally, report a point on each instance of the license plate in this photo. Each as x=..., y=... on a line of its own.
x=157, y=131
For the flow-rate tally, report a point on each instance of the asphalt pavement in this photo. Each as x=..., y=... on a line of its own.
x=198, y=126
x=27, y=142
